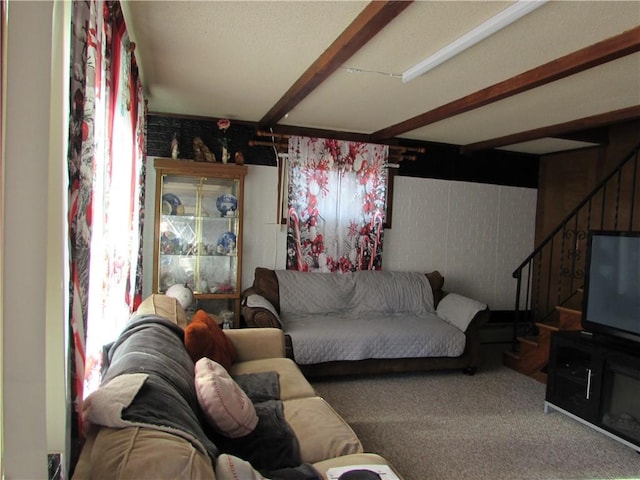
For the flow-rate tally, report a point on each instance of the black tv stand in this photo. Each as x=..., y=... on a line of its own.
x=595, y=379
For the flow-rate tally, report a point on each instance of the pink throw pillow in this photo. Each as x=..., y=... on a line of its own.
x=226, y=406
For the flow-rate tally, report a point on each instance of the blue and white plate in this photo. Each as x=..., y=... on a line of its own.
x=170, y=201
x=227, y=203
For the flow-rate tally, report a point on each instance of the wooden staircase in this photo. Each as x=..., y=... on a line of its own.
x=533, y=352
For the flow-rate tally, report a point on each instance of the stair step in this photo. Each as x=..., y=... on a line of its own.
x=533, y=341
x=569, y=318
x=528, y=362
x=533, y=355
x=511, y=354
x=548, y=327
x=569, y=311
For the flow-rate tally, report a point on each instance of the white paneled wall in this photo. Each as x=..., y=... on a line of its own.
x=475, y=234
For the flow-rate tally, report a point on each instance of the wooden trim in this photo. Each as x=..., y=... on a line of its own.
x=601, y=52
x=373, y=18
x=560, y=129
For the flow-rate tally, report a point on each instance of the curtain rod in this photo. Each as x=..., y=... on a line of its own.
x=400, y=149
x=282, y=145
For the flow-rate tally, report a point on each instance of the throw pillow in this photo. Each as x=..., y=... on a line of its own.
x=229, y=467
x=458, y=310
x=203, y=337
x=227, y=408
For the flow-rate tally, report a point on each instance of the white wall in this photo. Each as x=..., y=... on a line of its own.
x=29, y=70
x=474, y=234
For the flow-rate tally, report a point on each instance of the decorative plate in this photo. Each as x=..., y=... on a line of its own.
x=169, y=200
x=227, y=204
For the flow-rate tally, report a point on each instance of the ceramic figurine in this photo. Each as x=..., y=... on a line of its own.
x=175, y=150
x=201, y=152
x=198, y=152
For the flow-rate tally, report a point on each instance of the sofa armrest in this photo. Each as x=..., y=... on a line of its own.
x=258, y=312
x=473, y=345
x=256, y=343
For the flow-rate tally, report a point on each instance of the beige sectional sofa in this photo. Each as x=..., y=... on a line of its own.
x=157, y=445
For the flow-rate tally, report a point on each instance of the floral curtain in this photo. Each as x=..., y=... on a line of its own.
x=337, y=196
x=106, y=194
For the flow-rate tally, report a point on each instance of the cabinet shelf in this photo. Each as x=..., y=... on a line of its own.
x=197, y=241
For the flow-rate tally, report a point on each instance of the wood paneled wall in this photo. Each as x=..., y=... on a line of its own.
x=566, y=178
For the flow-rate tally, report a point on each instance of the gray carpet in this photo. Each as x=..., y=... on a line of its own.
x=449, y=426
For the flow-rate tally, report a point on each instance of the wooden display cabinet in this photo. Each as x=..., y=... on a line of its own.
x=198, y=231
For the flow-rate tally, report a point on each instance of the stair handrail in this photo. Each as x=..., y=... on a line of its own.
x=517, y=273
x=570, y=216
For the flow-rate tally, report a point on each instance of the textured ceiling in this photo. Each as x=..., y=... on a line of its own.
x=237, y=59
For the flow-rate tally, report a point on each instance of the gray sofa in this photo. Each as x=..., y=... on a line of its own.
x=367, y=322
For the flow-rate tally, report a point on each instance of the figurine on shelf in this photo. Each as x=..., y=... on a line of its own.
x=175, y=150
x=201, y=152
x=226, y=244
x=239, y=158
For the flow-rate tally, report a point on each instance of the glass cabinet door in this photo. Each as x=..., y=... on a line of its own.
x=199, y=231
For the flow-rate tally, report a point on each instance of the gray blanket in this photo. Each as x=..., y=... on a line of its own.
x=167, y=400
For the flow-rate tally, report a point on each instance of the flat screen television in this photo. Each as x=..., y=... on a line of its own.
x=611, y=301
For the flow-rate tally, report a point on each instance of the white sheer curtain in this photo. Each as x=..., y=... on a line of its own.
x=336, y=203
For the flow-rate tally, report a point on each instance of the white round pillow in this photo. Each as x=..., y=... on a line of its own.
x=225, y=405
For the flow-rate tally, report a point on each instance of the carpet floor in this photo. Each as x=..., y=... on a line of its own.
x=449, y=426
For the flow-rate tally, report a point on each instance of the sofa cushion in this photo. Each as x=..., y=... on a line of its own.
x=163, y=306
x=203, y=337
x=320, y=431
x=225, y=405
x=310, y=293
x=383, y=292
x=139, y=453
x=292, y=382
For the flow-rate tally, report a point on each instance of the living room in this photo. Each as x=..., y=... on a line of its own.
x=32, y=419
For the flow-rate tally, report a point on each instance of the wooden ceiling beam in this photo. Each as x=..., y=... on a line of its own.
x=561, y=130
x=601, y=52
x=373, y=18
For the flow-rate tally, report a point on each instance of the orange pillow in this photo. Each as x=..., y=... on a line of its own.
x=204, y=338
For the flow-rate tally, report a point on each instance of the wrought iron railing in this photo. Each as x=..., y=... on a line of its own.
x=552, y=275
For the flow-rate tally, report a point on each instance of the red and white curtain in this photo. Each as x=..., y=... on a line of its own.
x=336, y=205
x=106, y=189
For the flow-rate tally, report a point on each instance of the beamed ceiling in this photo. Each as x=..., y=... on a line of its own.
x=550, y=81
